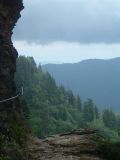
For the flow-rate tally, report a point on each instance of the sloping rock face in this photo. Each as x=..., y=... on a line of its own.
x=9, y=111
x=9, y=14
x=76, y=145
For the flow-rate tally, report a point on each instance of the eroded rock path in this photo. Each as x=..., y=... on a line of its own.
x=72, y=146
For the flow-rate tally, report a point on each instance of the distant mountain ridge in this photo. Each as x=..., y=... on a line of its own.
x=94, y=78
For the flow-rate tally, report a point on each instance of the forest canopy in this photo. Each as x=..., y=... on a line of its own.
x=51, y=109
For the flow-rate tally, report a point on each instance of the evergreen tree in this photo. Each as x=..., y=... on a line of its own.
x=88, y=110
x=109, y=119
x=71, y=97
x=79, y=103
x=47, y=102
x=97, y=114
x=50, y=109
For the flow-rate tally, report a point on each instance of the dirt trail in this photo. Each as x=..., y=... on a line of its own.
x=72, y=146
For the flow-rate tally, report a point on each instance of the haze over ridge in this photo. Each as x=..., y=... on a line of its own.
x=96, y=79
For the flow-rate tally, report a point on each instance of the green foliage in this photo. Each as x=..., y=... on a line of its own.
x=13, y=139
x=110, y=150
x=109, y=119
x=2, y=140
x=25, y=108
x=107, y=133
x=17, y=130
x=89, y=111
x=50, y=109
x=79, y=103
x=2, y=157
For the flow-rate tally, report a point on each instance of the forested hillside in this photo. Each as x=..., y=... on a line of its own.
x=96, y=79
x=51, y=109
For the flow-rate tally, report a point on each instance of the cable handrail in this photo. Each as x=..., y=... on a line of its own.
x=20, y=93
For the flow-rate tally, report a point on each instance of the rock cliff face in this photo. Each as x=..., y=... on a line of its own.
x=9, y=14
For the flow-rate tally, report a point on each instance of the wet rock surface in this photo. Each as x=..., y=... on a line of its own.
x=9, y=14
x=10, y=112
x=76, y=145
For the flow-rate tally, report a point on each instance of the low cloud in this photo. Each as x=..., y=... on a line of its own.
x=65, y=52
x=83, y=21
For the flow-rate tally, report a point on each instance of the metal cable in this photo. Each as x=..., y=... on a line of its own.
x=20, y=93
x=9, y=99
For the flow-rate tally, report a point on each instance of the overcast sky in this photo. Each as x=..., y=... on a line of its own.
x=57, y=31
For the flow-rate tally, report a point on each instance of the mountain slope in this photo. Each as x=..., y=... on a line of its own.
x=96, y=79
x=49, y=109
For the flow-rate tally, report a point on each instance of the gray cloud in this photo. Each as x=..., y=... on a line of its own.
x=84, y=21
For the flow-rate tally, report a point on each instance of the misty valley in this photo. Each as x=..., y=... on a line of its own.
x=94, y=78
x=60, y=84
x=51, y=109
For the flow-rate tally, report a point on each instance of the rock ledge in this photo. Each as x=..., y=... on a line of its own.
x=76, y=145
